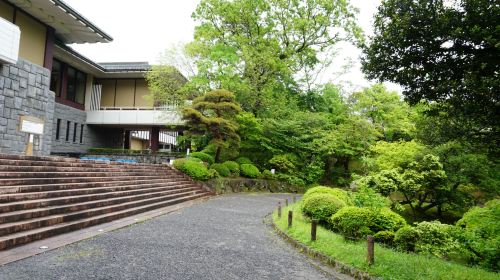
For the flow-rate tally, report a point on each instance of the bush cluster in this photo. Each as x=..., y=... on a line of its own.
x=233, y=167
x=249, y=170
x=338, y=193
x=221, y=169
x=194, y=168
x=321, y=206
x=203, y=156
x=243, y=160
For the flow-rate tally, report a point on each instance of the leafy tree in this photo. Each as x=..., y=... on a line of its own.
x=445, y=52
x=214, y=113
x=256, y=47
x=166, y=85
x=385, y=109
x=389, y=155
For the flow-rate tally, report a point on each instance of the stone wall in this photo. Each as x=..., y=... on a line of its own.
x=25, y=90
x=93, y=137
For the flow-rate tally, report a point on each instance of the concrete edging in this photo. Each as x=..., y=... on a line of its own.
x=341, y=267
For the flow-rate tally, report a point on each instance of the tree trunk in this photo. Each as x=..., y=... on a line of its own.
x=217, y=153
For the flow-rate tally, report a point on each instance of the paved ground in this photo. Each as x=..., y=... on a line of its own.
x=223, y=238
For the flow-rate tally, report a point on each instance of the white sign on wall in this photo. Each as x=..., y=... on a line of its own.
x=9, y=41
x=31, y=125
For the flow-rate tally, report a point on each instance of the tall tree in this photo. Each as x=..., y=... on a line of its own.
x=445, y=52
x=214, y=114
x=255, y=47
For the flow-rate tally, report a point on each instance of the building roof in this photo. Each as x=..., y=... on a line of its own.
x=125, y=66
x=70, y=26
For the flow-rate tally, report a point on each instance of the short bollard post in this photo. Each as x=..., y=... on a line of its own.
x=314, y=225
x=371, y=254
x=286, y=202
x=279, y=210
x=290, y=218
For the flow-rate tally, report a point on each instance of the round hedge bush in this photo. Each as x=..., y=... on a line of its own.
x=233, y=167
x=249, y=170
x=243, y=160
x=352, y=222
x=321, y=206
x=179, y=162
x=221, y=169
x=385, y=237
x=203, y=156
x=266, y=174
x=195, y=170
x=386, y=220
x=338, y=193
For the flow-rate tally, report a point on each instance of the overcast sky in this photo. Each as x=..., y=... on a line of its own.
x=143, y=29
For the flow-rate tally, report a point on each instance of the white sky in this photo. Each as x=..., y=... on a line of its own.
x=143, y=29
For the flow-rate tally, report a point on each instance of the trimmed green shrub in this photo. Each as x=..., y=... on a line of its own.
x=321, y=206
x=249, y=170
x=204, y=157
x=212, y=173
x=290, y=179
x=369, y=198
x=209, y=149
x=406, y=238
x=266, y=174
x=221, y=169
x=243, y=160
x=386, y=220
x=385, y=237
x=352, y=222
x=431, y=238
x=233, y=167
x=195, y=170
x=179, y=162
x=481, y=234
x=338, y=193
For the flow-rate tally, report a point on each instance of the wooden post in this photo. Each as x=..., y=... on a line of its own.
x=290, y=217
x=314, y=225
x=286, y=202
x=370, y=254
x=279, y=210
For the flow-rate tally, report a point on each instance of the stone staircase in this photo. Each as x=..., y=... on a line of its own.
x=45, y=196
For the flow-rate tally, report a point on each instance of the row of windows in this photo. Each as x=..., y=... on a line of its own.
x=73, y=89
x=68, y=131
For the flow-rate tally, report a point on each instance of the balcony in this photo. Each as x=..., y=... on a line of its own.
x=135, y=116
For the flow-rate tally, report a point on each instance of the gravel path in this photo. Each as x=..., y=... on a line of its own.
x=223, y=238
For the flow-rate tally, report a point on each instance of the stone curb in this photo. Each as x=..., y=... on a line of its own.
x=341, y=267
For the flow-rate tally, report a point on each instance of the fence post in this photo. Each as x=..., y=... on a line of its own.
x=279, y=210
x=314, y=225
x=370, y=245
x=290, y=217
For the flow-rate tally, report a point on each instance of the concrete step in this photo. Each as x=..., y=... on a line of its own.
x=96, y=164
x=37, y=234
x=19, y=215
x=10, y=228
x=82, y=174
x=13, y=197
x=85, y=185
x=42, y=181
x=26, y=168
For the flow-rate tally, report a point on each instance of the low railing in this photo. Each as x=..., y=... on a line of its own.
x=157, y=108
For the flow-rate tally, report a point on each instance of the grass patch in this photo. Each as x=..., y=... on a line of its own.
x=389, y=264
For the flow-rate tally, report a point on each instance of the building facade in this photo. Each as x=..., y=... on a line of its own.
x=76, y=103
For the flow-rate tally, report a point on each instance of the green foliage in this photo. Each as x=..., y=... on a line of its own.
x=233, y=166
x=266, y=174
x=386, y=220
x=292, y=180
x=352, y=222
x=431, y=49
x=221, y=169
x=390, y=155
x=213, y=113
x=321, y=206
x=166, y=85
x=179, y=162
x=249, y=170
x=204, y=157
x=243, y=160
x=428, y=238
x=368, y=198
x=212, y=173
x=482, y=234
x=195, y=170
x=385, y=237
x=283, y=163
x=340, y=194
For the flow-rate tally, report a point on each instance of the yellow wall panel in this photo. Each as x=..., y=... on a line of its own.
x=33, y=36
x=6, y=11
x=136, y=144
x=142, y=98
x=125, y=93
x=108, y=93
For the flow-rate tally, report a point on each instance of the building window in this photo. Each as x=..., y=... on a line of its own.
x=56, y=77
x=68, y=125
x=74, y=132
x=58, y=128
x=81, y=134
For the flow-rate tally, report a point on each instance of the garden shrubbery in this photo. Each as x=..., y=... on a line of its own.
x=338, y=193
x=249, y=171
x=352, y=222
x=243, y=160
x=194, y=169
x=233, y=167
x=221, y=169
x=203, y=156
x=321, y=206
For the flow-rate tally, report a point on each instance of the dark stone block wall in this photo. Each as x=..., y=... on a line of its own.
x=25, y=90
